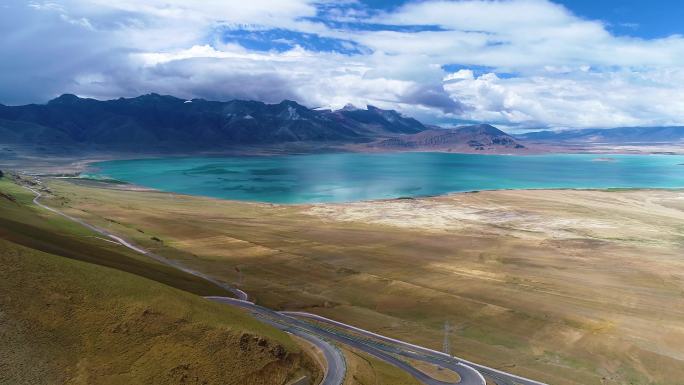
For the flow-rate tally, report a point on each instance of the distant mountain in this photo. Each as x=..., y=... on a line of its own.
x=381, y=121
x=159, y=121
x=621, y=135
x=475, y=138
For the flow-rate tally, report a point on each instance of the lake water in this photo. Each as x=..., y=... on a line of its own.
x=353, y=177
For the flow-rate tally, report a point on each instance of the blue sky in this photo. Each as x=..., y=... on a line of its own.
x=647, y=19
x=520, y=64
x=637, y=18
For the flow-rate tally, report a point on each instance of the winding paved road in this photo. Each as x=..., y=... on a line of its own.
x=468, y=375
x=336, y=370
x=382, y=347
x=422, y=353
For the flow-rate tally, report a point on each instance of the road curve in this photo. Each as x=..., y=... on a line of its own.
x=500, y=377
x=471, y=373
x=336, y=364
x=468, y=376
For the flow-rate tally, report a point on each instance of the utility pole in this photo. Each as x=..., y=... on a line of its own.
x=446, y=347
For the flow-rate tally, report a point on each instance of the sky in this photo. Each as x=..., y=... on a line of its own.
x=518, y=64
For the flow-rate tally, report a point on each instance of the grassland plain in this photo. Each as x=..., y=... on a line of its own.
x=567, y=287
x=66, y=321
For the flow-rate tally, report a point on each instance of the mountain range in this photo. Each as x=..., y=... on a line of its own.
x=165, y=121
x=479, y=137
x=619, y=135
x=160, y=122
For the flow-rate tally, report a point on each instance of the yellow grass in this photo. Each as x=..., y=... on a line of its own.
x=66, y=321
x=69, y=322
x=437, y=372
x=364, y=369
x=567, y=287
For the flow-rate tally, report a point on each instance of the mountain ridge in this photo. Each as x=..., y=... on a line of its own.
x=621, y=135
x=154, y=122
x=154, y=119
x=477, y=138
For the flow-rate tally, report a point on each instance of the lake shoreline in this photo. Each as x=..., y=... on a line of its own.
x=37, y=160
x=87, y=182
x=344, y=177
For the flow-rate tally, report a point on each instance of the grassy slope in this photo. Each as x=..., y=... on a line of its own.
x=562, y=286
x=26, y=224
x=66, y=321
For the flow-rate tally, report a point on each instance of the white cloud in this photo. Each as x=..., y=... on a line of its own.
x=576, y=99
x=516, y=34
x=569, y=71
x=266, y=12
x=460, y=75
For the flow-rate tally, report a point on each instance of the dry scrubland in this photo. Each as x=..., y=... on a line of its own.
x=568, y=287
x=66, y=321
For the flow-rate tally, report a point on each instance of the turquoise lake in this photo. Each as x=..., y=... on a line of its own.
x=353, y=177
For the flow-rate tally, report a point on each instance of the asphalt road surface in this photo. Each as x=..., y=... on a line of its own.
x=336, y=365
x=422, y=353
x=468, y=375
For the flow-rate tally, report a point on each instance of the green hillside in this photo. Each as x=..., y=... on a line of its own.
x=26, y=224
x=67, y=321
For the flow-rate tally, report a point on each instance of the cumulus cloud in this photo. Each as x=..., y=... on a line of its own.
x=515, y=34
x=580, y=98
x=435, y=97
x=568, y=71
